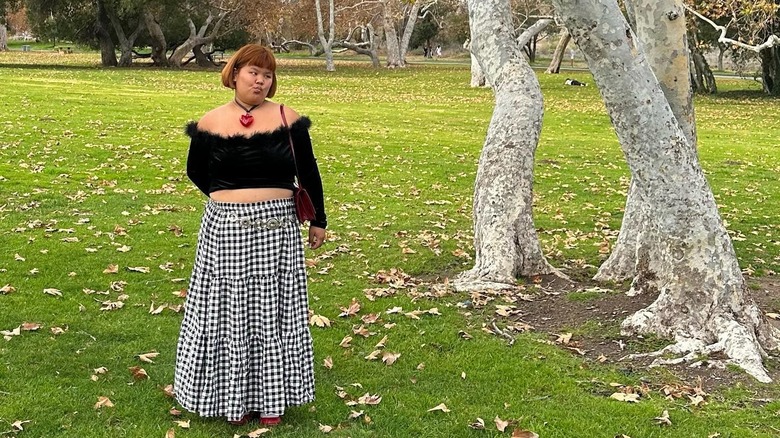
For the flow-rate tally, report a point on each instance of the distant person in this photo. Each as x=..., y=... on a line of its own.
x=571, y=57
x=245, y=350
x=425, y=51
x=438, y=51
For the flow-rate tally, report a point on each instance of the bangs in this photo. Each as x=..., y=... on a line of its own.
x=258, y=56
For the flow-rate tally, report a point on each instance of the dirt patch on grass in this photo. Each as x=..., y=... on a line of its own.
x=593, y=315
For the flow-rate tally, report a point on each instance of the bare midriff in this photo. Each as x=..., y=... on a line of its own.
x=250, y=195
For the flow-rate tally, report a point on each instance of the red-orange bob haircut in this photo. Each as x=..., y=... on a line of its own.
x=250, y=54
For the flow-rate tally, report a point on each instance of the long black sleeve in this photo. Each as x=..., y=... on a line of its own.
x=198, y=159
x=309, y=173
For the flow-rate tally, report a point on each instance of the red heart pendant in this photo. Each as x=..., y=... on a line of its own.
x=246, y=119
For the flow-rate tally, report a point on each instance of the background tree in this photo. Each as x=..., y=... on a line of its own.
x=689, y=262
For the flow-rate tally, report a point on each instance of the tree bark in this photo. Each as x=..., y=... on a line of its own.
x=394, y=58
x=409, y=29
x=690, y=261
x=721, y=51
x=197, y=37
x=770, y=70
x=477, y=76
x=560, y=50
x=159, y=45
x=126, y=43
x=3, y=38
x=107, y=52
x=327, y=42
x=505, y=238
x=660, y=33
x=703, y=81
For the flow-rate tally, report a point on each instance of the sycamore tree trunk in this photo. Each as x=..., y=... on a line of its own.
x=477, y=75
x=689, y=259
x=327, y=41
x=770, y=70
x=560, y=50
x=702, y=79
x=102, y=24
x=198, y=37
x=505, y=238
x=411, y=21
x=3, y=38
x=157, y=37
x=126, y=43
x=660, y=34
x=392, y=44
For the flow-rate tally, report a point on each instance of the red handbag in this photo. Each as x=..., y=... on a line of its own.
x=304, y=208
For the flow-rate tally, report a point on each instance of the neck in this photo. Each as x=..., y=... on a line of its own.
x=246, y=104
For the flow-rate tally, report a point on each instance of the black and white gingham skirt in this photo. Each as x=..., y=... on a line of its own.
x=245, y=344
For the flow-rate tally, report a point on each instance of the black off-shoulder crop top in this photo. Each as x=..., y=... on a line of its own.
x=263, y=160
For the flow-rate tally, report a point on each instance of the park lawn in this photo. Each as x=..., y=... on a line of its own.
x=92, y=173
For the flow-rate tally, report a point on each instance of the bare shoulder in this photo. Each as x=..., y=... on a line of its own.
x=291, y=114
x=212, y=120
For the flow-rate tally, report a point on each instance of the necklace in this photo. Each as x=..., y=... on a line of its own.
x=246, y=119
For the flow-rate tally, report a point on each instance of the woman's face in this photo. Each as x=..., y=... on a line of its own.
x=253, y=83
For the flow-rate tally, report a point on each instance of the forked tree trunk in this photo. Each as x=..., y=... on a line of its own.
x=411, y=21
x=327, y=41
x=505, y=238
x=702, y=302
x=666, y=49
x=560, y=50
x=126, y=43
x=198, y=37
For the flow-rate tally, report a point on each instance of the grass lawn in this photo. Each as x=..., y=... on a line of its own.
x=92, y=175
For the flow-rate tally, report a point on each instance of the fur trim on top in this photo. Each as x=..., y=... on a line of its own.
x=303, y=123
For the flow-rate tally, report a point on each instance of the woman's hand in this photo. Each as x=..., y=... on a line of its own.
x=316, y=237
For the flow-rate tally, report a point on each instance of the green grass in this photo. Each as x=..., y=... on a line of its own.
x=98, y=155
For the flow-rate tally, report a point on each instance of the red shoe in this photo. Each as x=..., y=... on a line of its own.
x=270, y=421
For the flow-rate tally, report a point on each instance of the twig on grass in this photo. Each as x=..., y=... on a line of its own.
x=502, y=333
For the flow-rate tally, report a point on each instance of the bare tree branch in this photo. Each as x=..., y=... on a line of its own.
x=537, y=27
x=771, y=41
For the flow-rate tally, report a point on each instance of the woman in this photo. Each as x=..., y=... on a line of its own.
x=245, y=349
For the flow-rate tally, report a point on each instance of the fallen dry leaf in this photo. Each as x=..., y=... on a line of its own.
x=141, y=269
x=175, y=412
x=368, y=399
x=355, y=414
x=30, y=326
x=374, y=355
x=564, y=338
x=184, y=424
x=52, y=291
x=501, y=425
x=171, y=433
x=111, y=269
x=319, y=321
x=621, y=396
x=324, y=428
x=258, y=432
x=18, y=425
x=664, y=420
x=328, y=362
x=103, y=402
x=522, y=433
x=147, y=357
x=346, y=342
x=381, y=344
x=168, y=390
x=478, y=425
x=441, y=407
x=7, y=289
x=138, y=373
x=58, y=330
x=390, y=358
x=351, y=310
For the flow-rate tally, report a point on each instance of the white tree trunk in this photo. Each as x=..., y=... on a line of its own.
x=327, y=42
x=477, y=76
x=408, y=29
x=3, y=38
x=689, y=259
x=560, y=50
x=660, y=34
x=505, y=238
x=393, y=46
